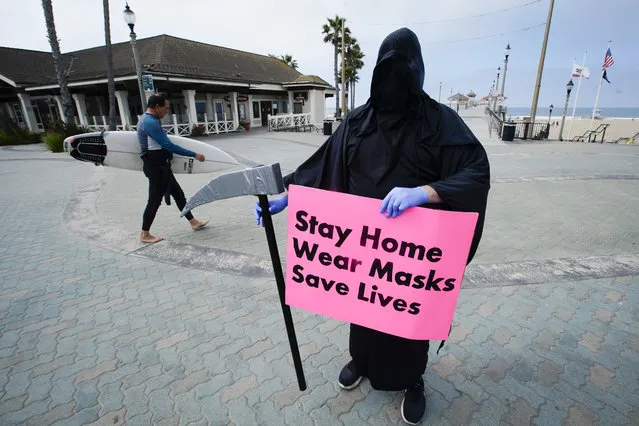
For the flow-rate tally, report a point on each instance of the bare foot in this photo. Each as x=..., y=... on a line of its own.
x=196, y=226
x=147, y=238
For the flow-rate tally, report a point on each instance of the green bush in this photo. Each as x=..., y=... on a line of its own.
x=54, y=141
x=16, y=135
x=197, y=130
x=68, y=129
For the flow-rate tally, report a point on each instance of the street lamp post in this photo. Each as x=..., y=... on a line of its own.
x=496, y=89
x=569, y=87
x=503, y=82
x=550, y=114
x=129, y=18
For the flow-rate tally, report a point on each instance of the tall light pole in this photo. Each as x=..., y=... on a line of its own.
x=569, y=87
x=503, y=82
x=440, y=92
x=542, y=58
x=550, y=114
x=129, y=18
x=496, y=89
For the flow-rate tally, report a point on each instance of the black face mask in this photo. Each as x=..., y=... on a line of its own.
x=391, y=89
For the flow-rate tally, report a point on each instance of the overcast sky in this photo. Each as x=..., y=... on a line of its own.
x=294, y=27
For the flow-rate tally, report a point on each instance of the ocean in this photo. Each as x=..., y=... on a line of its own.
x=605, y=113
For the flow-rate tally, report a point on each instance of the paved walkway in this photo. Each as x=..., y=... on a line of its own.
x=96, y=328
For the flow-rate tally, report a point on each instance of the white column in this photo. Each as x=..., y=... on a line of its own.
x=189, y=100
x=81, y=106
x=236, y=119
x=290, y=102
x=250, y=107
x=123, y=105
x=311, y=102
x=27, y=112
x=319, y=108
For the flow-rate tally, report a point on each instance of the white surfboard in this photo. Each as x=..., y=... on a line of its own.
x=121, y=150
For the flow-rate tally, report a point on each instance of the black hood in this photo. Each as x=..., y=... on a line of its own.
x=399, y=71
x=403, y=46
x=398, y=108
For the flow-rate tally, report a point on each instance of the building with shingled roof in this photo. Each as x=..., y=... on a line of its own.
x=205, y=84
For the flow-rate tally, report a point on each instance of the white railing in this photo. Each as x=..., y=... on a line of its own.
x=287, y=121
x=217, y=126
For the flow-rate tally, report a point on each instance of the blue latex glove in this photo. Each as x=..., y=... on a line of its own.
x=274, y=206
x=399, y=199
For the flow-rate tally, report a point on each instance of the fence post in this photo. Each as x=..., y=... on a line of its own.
x=206, y=124
x=226, y=124
x=217, y=125
x=176, y=130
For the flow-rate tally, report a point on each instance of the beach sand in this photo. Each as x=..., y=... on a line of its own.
x=618, y=128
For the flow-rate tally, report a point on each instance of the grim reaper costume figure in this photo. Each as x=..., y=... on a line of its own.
x=408, y=150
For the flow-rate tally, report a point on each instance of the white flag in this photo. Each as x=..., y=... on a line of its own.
x=579, y=71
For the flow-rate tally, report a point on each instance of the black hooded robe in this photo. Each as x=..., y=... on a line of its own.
x=371, y=153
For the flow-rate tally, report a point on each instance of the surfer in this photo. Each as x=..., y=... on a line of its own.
x=157, y=151
x=408, y=150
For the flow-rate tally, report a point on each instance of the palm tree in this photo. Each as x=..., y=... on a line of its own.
x=287, y=59
x=350, y=75
x=354, y=62
x=109, y=61
x=333, y=34
x=60, y=68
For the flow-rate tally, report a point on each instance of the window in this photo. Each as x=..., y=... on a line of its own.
x=284, y=107
x=275, y=108
x=200, y=110
x=256, y=110
x=219, y=112
x=17, y=111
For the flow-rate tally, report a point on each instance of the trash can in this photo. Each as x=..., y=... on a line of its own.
x=328, y=127
x=508, y=132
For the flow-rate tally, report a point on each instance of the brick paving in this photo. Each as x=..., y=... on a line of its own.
x=95, y=329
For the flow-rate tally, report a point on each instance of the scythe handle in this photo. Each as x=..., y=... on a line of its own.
x=279, y=279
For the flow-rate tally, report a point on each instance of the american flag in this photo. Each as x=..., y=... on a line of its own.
x=608, y=61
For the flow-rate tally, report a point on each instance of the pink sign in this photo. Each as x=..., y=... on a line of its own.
x=400, y=276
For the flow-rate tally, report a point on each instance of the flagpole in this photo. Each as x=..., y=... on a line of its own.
x=592, y=119
x=574, y=107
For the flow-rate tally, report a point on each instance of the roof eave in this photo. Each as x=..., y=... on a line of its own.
x=80, y=83
x=8, y=80
x=293, y=85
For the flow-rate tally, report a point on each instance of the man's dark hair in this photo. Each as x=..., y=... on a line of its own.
x=156, y=100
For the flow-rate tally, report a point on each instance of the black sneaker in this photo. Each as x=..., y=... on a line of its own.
x=414, y=403
x=349, y=378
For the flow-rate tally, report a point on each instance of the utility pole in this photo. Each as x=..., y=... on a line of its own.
x=343, y=66
x=533, y=111
x=440, y=92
